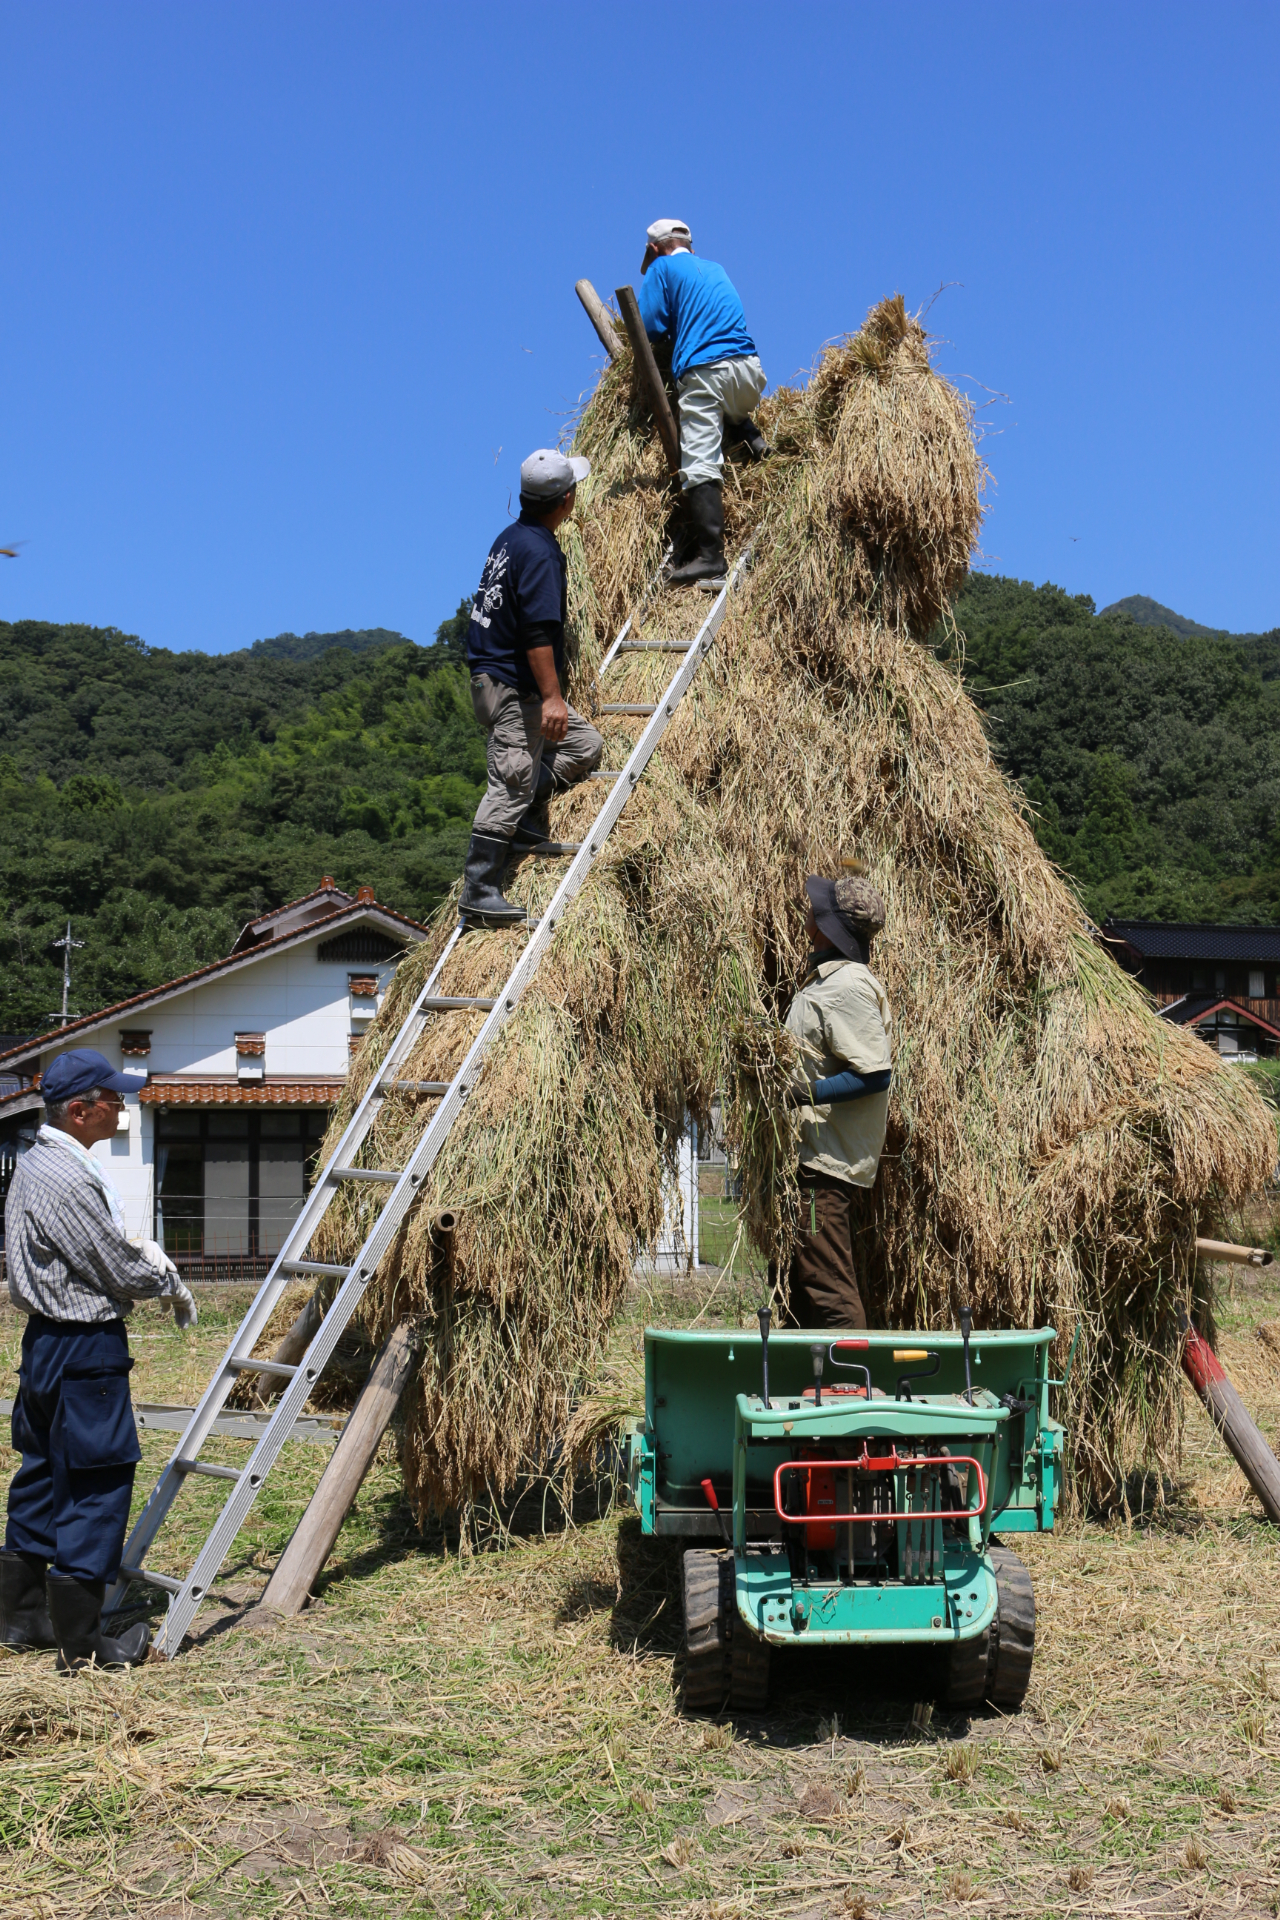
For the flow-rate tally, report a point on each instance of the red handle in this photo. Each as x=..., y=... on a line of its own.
x=710, y=1492
x=851, y=1346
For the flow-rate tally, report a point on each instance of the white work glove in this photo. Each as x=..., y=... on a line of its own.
x=155, y=1256
x=184, y=1307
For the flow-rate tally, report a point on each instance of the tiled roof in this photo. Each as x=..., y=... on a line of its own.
x=359, y=910
x=1168, y=940
x=235, y=1093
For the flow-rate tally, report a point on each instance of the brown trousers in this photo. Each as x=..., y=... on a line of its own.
x=823, y=1290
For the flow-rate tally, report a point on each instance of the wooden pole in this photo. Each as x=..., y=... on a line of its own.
x=298, y=1567
x=290, y=1350
x=1224, y=1250
x=599, y=316
x=649, y=377
x=1232, y=1419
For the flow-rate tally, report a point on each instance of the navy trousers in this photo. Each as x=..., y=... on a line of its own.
x=73, y=1425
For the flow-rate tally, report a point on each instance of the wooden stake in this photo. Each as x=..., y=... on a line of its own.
x=1224, y=1250
x=599, y=316
x=647, y=373
x=290, y=1350
x=299, y=1565
x=1232, y=1419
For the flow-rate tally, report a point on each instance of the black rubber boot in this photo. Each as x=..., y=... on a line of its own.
x=533, y=835
x=745, y=433
x=534, y=830
x=705, y=507
x=24, y=1611
x=75, y=1610
x=482, y=899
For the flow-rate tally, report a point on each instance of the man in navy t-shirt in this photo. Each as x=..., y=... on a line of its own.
x=515, y=649
x=718, y=379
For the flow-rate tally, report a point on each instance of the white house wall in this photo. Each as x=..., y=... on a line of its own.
x=300, y=1003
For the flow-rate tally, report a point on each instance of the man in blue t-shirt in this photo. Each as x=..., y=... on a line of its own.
x=536, y=743
x=718, y=378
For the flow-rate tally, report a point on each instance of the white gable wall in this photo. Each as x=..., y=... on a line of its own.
x=300, y=1003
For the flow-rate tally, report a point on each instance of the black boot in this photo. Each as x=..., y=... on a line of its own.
x=24, y=1611
x=533, y=835
x=705, y=507
x=482, y=899
x=534, y=830
x=745, y=433
x=75, y=1610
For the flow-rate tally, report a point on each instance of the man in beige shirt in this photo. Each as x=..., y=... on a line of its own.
x=841, y=1021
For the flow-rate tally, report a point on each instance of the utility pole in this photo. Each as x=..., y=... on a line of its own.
x=66, y=943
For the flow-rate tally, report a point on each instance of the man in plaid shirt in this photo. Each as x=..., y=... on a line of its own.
x=75, y=1275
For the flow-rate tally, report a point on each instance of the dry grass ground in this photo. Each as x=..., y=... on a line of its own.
x=497, y=1734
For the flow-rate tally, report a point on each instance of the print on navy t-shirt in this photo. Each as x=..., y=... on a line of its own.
x=524, y=584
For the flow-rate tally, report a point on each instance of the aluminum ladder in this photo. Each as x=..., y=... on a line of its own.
x=401, y=1189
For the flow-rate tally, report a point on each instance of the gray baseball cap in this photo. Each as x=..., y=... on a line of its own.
x=548, y=475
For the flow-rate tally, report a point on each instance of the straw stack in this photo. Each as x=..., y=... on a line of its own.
x=1052, y=1145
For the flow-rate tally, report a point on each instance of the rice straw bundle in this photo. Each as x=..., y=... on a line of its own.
x=1052, y=1144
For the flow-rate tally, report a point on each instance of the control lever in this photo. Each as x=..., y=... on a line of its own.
x=904, y=1354
x=966, y=1328
x=709, y=1494
x=763, y=1315
x=851, y=1366
x=819, y=1353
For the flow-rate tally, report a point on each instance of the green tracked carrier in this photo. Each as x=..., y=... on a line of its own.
x=849, y=1489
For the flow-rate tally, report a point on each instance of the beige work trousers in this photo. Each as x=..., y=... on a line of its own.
x=515, y=752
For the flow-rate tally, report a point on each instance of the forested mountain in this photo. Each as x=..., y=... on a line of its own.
x=309, y=646
x=1152, y=760
x=161, y=800
x=1146, y=612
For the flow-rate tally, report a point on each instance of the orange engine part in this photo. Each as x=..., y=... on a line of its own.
x=820, y=1497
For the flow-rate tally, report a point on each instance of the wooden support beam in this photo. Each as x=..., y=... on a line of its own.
x=649, y=377
x=599, y=316
x=298, y=1567
x=291, y=1348
x=1232, y=1419
x=1225, y=1250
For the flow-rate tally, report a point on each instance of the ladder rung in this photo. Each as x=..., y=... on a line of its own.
x=239, y=1364
x=363, y=1173
x=554, y=850
x=314, y=1266
x=415, y=1086
x=631, y=708
x=207, y=1467
x=655, y=646
x=444, y=1002
x=607, y=776
x=152, y=1579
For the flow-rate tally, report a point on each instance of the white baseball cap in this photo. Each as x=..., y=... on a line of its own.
x=659, y=231
x=548, y=474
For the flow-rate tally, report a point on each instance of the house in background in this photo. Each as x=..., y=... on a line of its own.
x=244, y=1061
x=1222, y=981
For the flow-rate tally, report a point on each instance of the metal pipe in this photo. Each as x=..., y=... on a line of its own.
x=763, y=1315
x=966, y=1328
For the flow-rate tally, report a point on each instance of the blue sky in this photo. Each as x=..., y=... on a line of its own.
x=288, y=289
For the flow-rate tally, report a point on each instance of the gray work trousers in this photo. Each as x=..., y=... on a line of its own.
x=710, y=394
x=516, y=752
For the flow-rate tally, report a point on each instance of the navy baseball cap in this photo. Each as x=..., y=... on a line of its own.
x=82, y=1068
